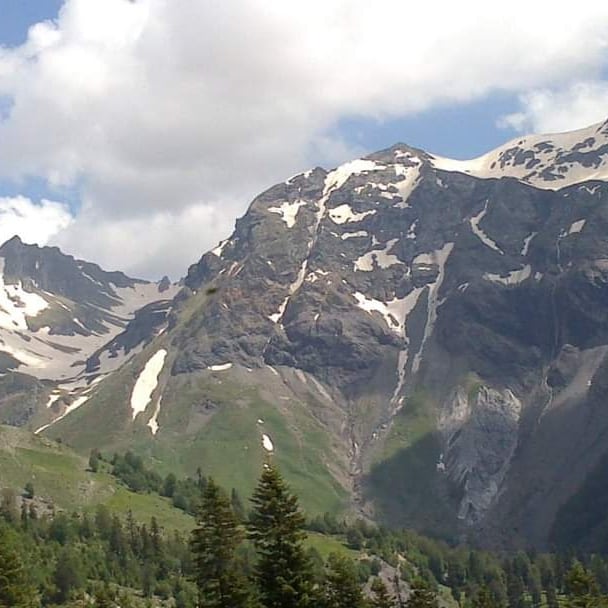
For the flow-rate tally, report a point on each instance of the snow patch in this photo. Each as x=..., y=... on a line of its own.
x=267, y=443
x=52, y=398
x=153, y=422
x=273, y=370
x=220, y=248
x=222, y=367
x=288, y=212
x=512, y=278
x=411, y=233
x=73, y=406
x=407, y=185
x=480, y=234
x=338, y=177
x=146, y=382
x=381, y=257
x=344, y=213
x=577, y=227
x=353, y=235
x=438, y=257
x=527, y=241
x=16, y=304
x=394, y=311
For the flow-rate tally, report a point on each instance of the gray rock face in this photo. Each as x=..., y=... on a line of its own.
x=481, y=432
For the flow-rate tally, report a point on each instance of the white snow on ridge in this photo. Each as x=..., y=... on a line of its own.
x=146, y=382
x=343, y=214
x=546, y=151
x=288, y=212
x=480, y=234
x=220, y=248
x=407, y=185
x=512, y=278
x=337, y=178
x=16, y=304
x=576, y=227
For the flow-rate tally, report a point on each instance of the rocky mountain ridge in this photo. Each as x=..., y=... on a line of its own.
x=56, y=315
x=420, y=340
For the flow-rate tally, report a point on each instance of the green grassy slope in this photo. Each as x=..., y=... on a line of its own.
x=60, y=477
x=212, y=422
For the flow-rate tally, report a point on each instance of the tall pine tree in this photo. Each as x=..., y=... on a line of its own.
x=380, y=595
x=276, y=527
x=214, y=543
x=15, y=590
x=341, y=588
x=421, y=595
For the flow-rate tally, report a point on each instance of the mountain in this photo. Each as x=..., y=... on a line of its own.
x=414, y=339
x=62, y=324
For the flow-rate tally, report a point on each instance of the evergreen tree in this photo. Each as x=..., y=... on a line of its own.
x=341, y=588
x=582, y=589
x=238, y=507
x=422, y=595
x=94, y=459
x=380, y=595
x=15, y=589
x=214, y=543
x=483, y=599
x=276, y=527
x=68, y=575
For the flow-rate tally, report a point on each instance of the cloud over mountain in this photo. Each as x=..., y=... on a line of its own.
x=161, y=113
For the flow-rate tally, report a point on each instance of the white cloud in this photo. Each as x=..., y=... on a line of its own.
x=34, y=223
x=168, y=241
x=549, y=111
x=153, y=106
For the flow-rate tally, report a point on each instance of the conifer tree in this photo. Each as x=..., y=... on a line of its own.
x=276, y=527
x=582, y=588
x=341, y=588
x=483, y=598
x=421, y=595
x=214, y=542
x=380, y=595
x=15, y=590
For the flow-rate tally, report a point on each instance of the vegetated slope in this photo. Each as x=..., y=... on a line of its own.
x=62, y=481
x=416, y=339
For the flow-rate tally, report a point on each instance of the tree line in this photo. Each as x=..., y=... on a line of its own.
x=261, y=559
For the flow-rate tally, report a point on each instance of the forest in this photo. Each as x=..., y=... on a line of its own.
x=260, y=554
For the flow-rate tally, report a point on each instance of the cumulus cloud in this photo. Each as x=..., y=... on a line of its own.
x=549, y=111
x=34, y=223
x=166, y=242
x=158, y=109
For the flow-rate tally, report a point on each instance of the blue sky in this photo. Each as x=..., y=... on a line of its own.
x=18, y=15
x=156, y=123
